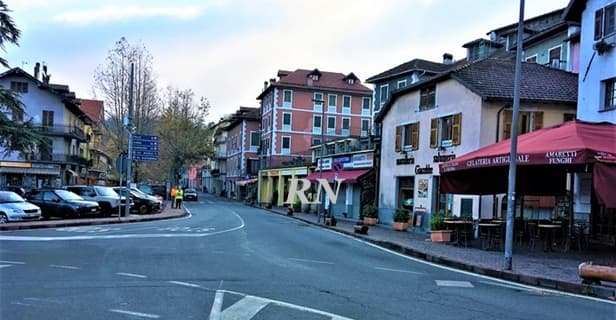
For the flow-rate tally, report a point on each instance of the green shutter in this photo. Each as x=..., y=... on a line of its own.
x=434, y=133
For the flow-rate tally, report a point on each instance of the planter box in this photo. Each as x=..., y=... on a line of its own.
x=370, y=221
x=440, y=235
x=400, y=226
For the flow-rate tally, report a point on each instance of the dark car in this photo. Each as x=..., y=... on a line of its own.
x=141, y=203
x=62, y=203
x=190, y=194
x=158, y=190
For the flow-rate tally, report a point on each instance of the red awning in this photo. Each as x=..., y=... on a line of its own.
x=349, y=176
x=242, y=183
x=542, y=158
x=604, y=181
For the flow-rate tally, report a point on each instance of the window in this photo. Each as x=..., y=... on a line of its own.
x=446, y=131
x=568, y=117
x=19, y=86
x=384, y=94
x=407, y=136
x=287, y=98
x=316, y=141
x=255, y=136
x=365, y=106
x=286, y=121
x=316, y=124
x=554, y=55
x=346, y=126
x=365, y=127
x=317, y=103
x=18, y=115
x=527, y=122
x=47, y=118
x=605, y=22
x=401, y=83
x=532, y=59
x=331, y=125
x=346, y=104
x=610, y=94
x=331, y=103
x=427, y=98
x=286, y=145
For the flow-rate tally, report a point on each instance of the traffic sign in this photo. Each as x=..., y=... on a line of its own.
x=145, y=148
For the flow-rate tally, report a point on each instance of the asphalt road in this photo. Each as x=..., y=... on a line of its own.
x=230, y=261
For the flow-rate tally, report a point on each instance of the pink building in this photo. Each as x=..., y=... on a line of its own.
x=243, y=139
x=302, y=107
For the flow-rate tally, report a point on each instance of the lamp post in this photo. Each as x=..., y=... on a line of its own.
x=321, y=207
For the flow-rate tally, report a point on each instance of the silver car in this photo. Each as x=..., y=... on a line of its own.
x=15, y=208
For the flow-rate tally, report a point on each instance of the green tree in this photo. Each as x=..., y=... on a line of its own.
x=15, y=133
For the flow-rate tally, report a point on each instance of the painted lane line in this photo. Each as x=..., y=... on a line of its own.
x=398, y=270
x=453, y=283
x=22, y=304
x=12, y=262
x=64, y=267
x=186, y=284
x=131, y=275
x=216, y=306
x=246, y=308
x=44, y=300
x=6, y=265
x=514, y=287
x=311, y=261
x=137, y=314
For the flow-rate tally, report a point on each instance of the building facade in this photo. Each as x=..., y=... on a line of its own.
x=243, y=140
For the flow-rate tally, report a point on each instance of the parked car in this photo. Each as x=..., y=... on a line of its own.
x=158, y=199
x=141, y=203
x=14, y=208
x=19, y=190
x=62, y=203
x=107, y=198
x=190, y=194
x=157, y=190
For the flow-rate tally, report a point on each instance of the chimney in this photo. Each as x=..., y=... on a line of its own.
x=447, y=58
x=265, y=85
x=37, y=68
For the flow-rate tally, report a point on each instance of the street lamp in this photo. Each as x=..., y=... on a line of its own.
x=321, y=207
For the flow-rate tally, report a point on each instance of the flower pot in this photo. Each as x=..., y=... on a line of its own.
x=400, y=226
x=440, y=235
x=370, y=221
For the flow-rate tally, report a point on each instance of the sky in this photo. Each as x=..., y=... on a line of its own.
x=225, y=49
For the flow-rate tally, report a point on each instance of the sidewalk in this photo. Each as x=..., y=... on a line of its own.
x=552, y=270
x=166, y=213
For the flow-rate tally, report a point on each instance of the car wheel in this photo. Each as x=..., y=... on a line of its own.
x=3, y=218
x=143, y=209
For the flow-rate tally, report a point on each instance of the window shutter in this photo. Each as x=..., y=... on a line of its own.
x=434, y=133
x=598, y=24
x=415, y=135
x=507, y=118
x=398, y=138
x=538, y=120
x=456, y=129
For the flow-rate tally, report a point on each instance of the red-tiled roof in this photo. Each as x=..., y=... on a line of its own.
x=93, y=109
x=333, y=81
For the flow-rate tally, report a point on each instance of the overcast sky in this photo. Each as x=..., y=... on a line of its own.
x=225, y=49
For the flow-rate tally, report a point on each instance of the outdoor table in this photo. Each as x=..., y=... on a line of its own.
x=457, y=225
x=489, y=226
x=550, y=236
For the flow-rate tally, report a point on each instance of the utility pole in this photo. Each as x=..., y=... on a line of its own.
x=514, y=144
x=129, y=127
x=321, y=208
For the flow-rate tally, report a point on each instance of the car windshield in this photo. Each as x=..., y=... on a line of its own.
x=191, y=190
x=139, y=192
x=67, y=195
x=145, y=189
x=106, y=191
x=8, y=196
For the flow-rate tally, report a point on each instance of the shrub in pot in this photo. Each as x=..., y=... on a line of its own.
x=370, y=214
x=401, y=219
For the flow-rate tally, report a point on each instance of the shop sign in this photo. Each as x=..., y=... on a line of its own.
x=402, y=161
x=324, y=164
x=444, y=157
x=285, y=172
x=423, y=170
x=302, y=171
x=360, y=161
x=15, y=164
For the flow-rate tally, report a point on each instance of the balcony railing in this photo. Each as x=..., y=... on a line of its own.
x=59, y=158
x=70, y=131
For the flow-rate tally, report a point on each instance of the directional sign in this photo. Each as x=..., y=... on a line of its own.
x=145, y=148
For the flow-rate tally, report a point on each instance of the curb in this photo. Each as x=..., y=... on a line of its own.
x=591, y=290
x=75, y=223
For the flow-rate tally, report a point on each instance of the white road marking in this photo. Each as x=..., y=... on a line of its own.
x=246, y=308
x=312, y=261
x=216, y=306
x=514, y=287
x=137, y=314
x=131, y=275
x=21, y=303
x=44, y=300
x=452, y=283
x=6, y=265
x=186, y=284
x=64, y=267
x=398, y=270
x=12, y=262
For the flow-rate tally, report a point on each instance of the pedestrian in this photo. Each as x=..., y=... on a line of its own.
x=179, y=196
x=172, y=193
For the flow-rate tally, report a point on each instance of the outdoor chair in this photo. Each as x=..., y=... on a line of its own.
x=465, y=232
x=496, y=238
x=533, y=234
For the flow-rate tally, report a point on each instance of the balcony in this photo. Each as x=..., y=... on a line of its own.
x=63, y=131
x=59, y=158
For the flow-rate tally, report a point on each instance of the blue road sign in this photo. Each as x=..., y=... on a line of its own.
x=145, y=148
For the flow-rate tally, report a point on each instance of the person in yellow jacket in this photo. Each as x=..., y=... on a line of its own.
x=179, y=196
x=172, y=194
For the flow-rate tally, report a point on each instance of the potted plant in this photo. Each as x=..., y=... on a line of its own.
x=401, y=219
x=370, y=214
x=437, y=228
x=297, y=205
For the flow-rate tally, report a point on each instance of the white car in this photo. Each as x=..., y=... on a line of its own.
x=15, y=208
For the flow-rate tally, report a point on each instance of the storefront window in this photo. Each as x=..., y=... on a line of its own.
x=405, y=192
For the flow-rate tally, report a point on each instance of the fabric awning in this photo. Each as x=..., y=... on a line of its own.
x=604, y=181
x=73, y=173
x=242, y=183
x=349, y=176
